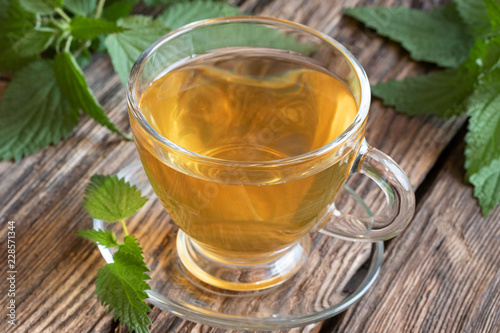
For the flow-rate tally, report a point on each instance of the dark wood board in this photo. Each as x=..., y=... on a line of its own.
x=449, y=284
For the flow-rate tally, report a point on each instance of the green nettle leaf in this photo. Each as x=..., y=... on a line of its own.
x=493, y=10
x=122, y=286
x=186, y=12
x=111, y=199
x=437, y=36
x=115, y=9
x=104, y=237
x=73, y=85
x=475, y=16
x=41, y=6
x=483, y=136
x=33, y=42
x=90, y=28
x=14, y=22
x=34, y=112
x=125, y=47
x=80, y=7
x=487, y=186
x=439, y=93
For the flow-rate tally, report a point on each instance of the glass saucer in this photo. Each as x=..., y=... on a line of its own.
x=336, y=274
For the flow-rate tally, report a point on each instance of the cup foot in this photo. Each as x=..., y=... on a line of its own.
x=241, y=276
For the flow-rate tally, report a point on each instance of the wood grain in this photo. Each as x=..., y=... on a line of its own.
x=450, y=283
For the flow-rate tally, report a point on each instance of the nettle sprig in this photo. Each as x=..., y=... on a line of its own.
x=45, y=44
x=120, y=285
x=464, y=38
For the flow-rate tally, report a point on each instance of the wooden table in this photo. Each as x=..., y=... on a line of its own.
x=442, y=274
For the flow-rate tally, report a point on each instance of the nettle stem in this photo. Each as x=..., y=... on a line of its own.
x=125, y=231
x=68, y=44
x=63, y=15
x=100, y=6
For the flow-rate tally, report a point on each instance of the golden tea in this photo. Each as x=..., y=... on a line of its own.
x=250, y=107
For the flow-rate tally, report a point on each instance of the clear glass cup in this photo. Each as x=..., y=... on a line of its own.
x=237, y=264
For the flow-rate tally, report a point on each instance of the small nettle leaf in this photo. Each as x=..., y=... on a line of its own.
x=34, y=111
x=72, y=83
x=80, y=7
x=104, y=237
x=483, y=136
x=90, y=28
x=41, y=6
x=437, y=36
x=475, y=16
x=111, y=199
x=487, y=186
x=131, y=248
x=125, y=47
x=186, y=12
x=122, y=286
x=440, y=93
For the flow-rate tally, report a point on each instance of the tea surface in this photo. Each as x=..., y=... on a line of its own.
x=249, y=107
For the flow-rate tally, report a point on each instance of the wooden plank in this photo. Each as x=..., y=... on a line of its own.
x=42, y=193
x=442, y=275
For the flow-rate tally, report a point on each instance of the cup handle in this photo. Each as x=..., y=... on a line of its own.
x=398, y=193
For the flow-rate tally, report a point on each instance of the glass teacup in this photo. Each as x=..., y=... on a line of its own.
x=247, y=129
